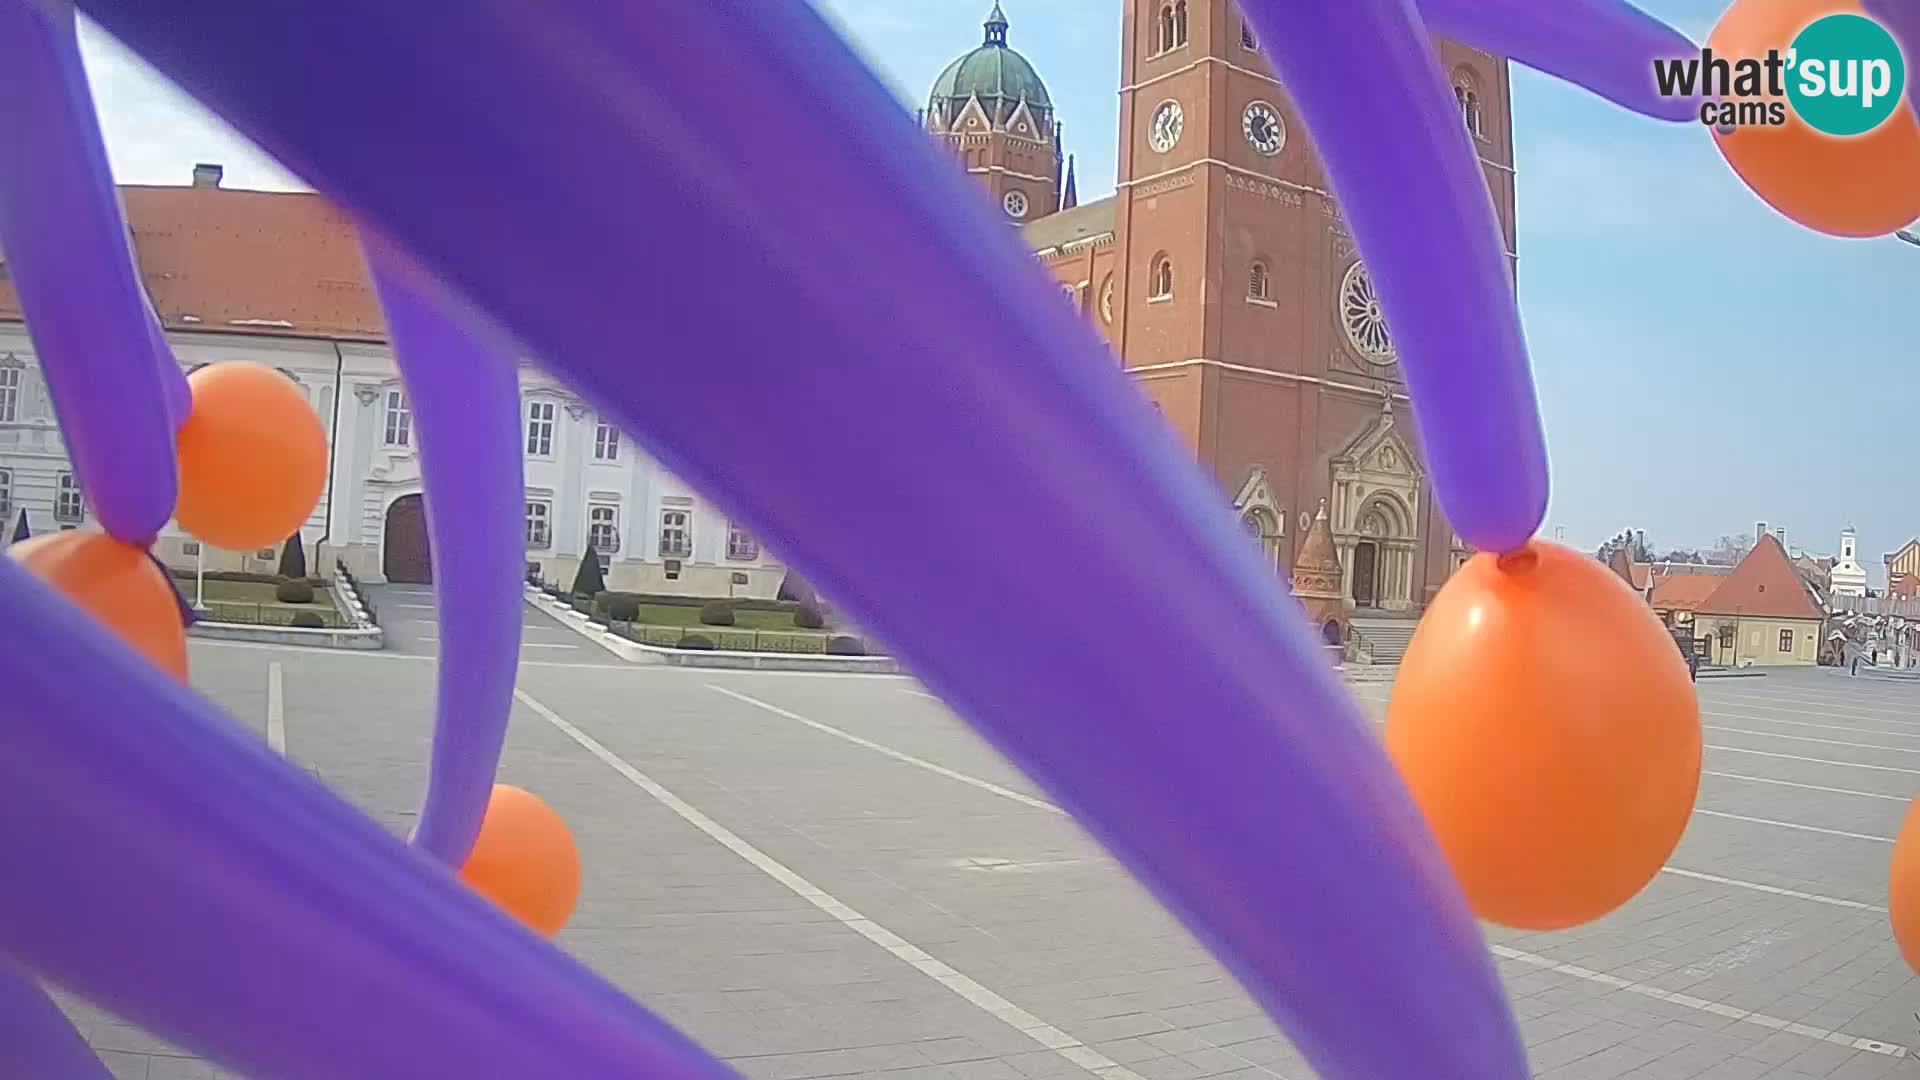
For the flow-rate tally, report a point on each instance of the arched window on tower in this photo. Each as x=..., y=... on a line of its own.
x=1467, y=95
x=1163, y=39
x=1259, y=285
x=1160, y=279
x=1180, y=22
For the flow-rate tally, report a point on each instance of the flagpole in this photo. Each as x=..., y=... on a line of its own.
x=200, y=577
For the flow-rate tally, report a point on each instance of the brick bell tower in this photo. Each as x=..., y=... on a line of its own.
x=992, y=108
x=1240, y=303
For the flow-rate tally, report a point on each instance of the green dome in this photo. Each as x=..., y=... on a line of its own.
x=998, y=76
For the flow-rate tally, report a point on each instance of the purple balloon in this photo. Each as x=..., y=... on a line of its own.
x=67, y=247
x=36, y=1038
x=1174, y=700
x=1902, y=20
x=173, y=380
x=1606, y=46
x=1445, y=283
x=465, y=396
x=274, y=928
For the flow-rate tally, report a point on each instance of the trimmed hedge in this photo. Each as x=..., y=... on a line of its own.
x=741, y=604
x=307, y=620
x=293, y=592
x=809, y=618
x=621, y=607
x=695, y=641
x=843, y=645
x=717, y=613
x=242, y=576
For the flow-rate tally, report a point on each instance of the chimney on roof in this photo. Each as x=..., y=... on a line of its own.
x=208, y=176
x=1780, y=534
x=1759, y=530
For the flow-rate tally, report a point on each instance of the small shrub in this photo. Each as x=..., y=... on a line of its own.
x=581, y=604
x=842, y=645
x=696, y=641
x=589, y=582
x=808, y=618
x=717, y=613
x=621, y=607
x=308, y=620
x=293, y=558
x=294, y=592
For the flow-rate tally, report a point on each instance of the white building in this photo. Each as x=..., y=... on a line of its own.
x=276, y=278
x=1848, y=577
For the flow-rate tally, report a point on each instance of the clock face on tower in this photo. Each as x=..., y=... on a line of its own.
x=1264, y=129
x=1168, y=122
x=1016, y=204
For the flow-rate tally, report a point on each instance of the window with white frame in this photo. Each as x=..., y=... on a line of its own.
x=6, y=495
x=606, y=441
x=539, y=523
x=399, y=430
x=540, y=428
x=10, y=371
x=740, y=543
x=603, y=531
x=68, y=505
x=676, y=534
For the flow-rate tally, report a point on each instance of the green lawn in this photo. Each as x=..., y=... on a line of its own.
x=253, y=602
x=689, y=615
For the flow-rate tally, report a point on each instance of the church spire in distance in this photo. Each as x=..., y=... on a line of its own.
x=1069, y=192
x=996, y=25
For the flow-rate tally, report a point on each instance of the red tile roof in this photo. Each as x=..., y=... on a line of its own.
x=1642, y=575
x=246, y=262
x=1764, y=584
x=1684, y=591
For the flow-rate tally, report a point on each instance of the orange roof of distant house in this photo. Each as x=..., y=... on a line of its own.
x=1684, y=591
x=1642, y=575
x=247, y=262
x=1764, y=584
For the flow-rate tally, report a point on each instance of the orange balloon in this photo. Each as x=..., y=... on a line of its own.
x=1861, y=186
x=253, y=457
x=1903, y=889
x=525, y=860
x=1547, y=728
x=116, y=583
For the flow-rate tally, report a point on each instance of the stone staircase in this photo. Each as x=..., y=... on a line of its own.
x=1385, y=636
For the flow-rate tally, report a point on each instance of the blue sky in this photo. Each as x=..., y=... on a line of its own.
x=1702, y=363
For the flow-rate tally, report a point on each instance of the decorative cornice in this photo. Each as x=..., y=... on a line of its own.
x=1278, y=376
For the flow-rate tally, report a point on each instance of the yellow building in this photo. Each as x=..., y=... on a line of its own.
x=1762, y=614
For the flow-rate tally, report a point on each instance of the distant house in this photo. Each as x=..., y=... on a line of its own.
x=1762, y=614
x=1904, y=562
x=1676, y=595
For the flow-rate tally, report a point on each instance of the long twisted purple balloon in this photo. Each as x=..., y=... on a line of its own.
x=465, y=396
x=72, y=265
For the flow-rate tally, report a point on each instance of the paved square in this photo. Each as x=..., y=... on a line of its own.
x=830, y=876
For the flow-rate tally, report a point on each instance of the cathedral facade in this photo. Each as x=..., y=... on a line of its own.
x=1226, y=281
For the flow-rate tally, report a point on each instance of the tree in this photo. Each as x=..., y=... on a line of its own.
x=589, y=582
x=1729, y=550
x=20, y=531
x=1633, y=541
x=293, y=559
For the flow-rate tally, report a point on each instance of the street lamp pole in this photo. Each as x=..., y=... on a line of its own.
x=200, y=577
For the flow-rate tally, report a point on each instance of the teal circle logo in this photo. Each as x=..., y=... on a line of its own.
x=1845, y=75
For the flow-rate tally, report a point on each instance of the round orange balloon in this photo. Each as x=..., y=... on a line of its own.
x=525, y=860
x=1547, y=727
x=1903, y=888
x=253, y=457
x=116, y=583
x=1859, y=186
